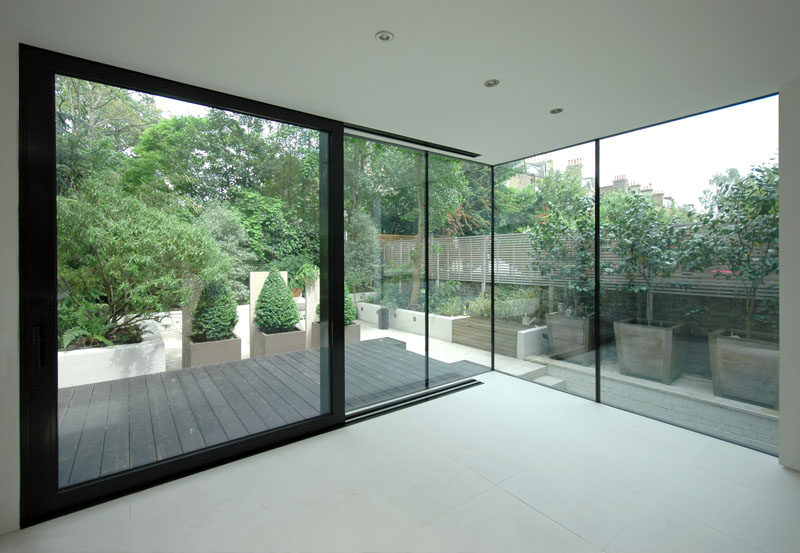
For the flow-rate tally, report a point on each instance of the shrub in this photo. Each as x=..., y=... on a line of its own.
x=122, y=262
x=349, y=308
x=276, y=310
x=215, y=314
x=480, y=307
x=450, y=307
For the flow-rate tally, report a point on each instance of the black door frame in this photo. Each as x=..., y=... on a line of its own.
x=40, y=496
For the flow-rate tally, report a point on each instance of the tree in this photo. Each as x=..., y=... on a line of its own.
x=739, y=232
x=225, y=226
x=272, y=237
x=562, y=236
x=361, y=250
x=121, y=262
x=95, y=125
x=647, y=239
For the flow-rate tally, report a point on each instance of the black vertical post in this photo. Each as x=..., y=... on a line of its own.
x=427, y=275
x=597, y=271
x=491, y=260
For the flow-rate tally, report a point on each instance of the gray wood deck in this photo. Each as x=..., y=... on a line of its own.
x=113, y=426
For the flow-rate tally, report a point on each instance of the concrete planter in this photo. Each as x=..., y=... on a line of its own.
x=89, y=365
x=368, y=312
x=647, y=351
x=211, y=353
x=352, y=334
x=439, y=326
x=531, y=341
x=745, y=368
x=283, y=342
x=571, y=338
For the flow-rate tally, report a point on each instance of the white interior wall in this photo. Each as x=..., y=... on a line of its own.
x=790, y=269
x=9, y=286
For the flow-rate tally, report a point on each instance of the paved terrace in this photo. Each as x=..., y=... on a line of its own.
x=116, y=425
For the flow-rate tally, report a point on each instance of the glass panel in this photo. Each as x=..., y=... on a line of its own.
x=384, y=269
x=172, y=336
x=544, y=269
x=689, y=238
x=459, y=253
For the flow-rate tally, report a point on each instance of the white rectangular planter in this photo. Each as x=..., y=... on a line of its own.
x=89, y=365
x=368, y=312
x=352, y=334
x=211, y=353
x=531, y=341
x=283, y=342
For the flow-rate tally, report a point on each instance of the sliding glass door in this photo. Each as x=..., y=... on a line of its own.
x=176, y=280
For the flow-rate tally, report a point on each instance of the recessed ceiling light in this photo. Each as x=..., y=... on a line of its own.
x=556, y=111
x=384, y=36
x=491, y=83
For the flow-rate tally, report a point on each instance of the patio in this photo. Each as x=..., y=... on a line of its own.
x=111, y=426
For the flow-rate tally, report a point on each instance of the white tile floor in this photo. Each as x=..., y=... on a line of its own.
x=506, y=466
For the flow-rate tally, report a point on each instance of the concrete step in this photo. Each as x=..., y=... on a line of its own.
x=551, y=382
x=528, y=371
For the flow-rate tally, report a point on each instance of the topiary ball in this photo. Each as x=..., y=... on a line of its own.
x=215, y=314
x=276, y=310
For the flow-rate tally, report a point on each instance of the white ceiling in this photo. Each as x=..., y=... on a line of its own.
x=613, y=65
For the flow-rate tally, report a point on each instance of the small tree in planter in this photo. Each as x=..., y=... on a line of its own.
x=352, y=331
x=648, y=241
x=738, y=235
x=276, y=316
x=213, y=321
x=563, y=250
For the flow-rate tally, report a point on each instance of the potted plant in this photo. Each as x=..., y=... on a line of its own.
x=214, y=318
x=352, y=330
x=562, y=239
x=737, y=236
x=647, y=242
x=276, y=315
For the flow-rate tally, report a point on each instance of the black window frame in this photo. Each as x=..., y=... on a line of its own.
x=40, y=496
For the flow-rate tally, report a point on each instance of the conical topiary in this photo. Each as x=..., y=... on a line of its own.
x=276, y=310
x=350, y=312
x=215, y=314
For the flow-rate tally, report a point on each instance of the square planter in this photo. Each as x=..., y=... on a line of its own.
x=571, y=338
x=283, y=342
x=211, y=353
x=745, y=368
x=352, y=334
x=647, y=351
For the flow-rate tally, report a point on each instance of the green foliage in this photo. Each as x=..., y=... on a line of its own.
x=215, y=314
x=95, y=124
x=225, y=226
x=82, y=325
x=480, y=307
x=738, y=234
x=646, y=238
x=272, y=237
x=450, y=307
x=362, y=253
x=562, y=236
x=350, y=312
x=121, y=262
x=276, y=310
x=446, y=299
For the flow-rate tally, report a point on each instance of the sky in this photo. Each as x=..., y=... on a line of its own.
x=176, y=108
x=680, y=158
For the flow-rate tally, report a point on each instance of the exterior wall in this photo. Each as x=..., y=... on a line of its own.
x=9, y=282
x=790, y=268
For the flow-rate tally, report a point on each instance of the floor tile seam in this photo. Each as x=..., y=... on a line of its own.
x=758, y=491
x=550, y=518
x=629, y=524
x=455, y=507
x=708, y=525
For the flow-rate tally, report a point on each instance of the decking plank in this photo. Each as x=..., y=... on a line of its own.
x=185, y=424
x=225, y=414
x=280, y=404
x=207, y=421
x=168, y=444
x=64, y=399
x=116, y=449
x=250, y=419
x=89, y=456
x=284, y=371
x=142, y=440
x=267, y=372
x=69, y=435
x=261, y=406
